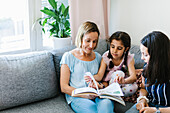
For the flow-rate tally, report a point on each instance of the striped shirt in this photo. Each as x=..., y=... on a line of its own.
x=160, y=94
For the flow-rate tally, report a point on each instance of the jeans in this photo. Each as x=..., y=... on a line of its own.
x=134, y=110
x=83, y=105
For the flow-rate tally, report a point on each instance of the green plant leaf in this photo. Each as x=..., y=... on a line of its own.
x=53, y=4
x=44, y=22
x=62, y=8
x=43, y=30
x=57, y=20
x=48, y=12
x=66, y=12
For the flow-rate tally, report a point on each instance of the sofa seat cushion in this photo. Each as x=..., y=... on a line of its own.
x=53, y=105
x=26, y=78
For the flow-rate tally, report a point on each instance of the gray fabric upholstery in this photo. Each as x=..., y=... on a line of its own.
x=135, y=49
x=26, y=78
x=119, y=108
x=102, y=46
x=53, y=105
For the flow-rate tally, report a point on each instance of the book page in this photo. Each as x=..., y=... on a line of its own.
x=116, y=98
x=91, y=76
x=113, y=89
x=84, y=91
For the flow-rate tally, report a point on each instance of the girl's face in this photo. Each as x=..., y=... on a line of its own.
x=89, y=42
x=117, y=49
x=145, y=55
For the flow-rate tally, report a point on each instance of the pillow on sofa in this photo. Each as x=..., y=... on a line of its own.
x=26, y=78
x=135, y=49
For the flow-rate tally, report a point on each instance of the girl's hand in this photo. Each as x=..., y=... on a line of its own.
x=91, y=84
x=120, y=80
x=141, y=104
x=148, y=110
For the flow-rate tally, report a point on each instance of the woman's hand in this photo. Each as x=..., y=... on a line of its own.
x=88, y=96
x=87, y=79
x=141, y=104
x=148, y=110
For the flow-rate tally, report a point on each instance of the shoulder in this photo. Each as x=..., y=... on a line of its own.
x=105, y=58
x=130, y=58
x=67, y=54
x=105, y=54
x=98, y=56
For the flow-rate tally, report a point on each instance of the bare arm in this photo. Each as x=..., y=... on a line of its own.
x=132, y=78
x=142, y=102
x=100, y=74
x=64, y=82
x=64, y=79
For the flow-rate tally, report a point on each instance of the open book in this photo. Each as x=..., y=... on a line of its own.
x=113, y=91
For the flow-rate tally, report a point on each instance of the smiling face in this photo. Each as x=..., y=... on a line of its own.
x=89, y=42
x=117, y=49
x=145, y=55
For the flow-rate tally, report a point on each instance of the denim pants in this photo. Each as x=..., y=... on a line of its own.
x=134, y=110
x=83, y=105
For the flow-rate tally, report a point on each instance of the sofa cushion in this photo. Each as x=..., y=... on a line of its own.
x=52, y=105
x=135, y=49
x=26, y=78
x=102, y=46
x=57, y=54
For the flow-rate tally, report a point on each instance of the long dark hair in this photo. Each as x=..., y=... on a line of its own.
x=126, y=40
x=158, y=68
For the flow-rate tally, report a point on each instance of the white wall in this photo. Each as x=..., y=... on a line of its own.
x=139, y=17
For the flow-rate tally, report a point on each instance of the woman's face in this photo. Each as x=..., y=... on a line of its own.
x=89, y=42
x=117, y=49
x=145, y=55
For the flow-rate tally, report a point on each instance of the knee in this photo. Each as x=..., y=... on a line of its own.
x=107, y=103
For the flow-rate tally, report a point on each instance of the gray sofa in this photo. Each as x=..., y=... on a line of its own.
x=29, y=82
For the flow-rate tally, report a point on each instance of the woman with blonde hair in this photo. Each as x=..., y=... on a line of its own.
x=73, y=66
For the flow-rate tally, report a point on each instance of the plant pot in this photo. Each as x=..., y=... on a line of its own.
x=61, y=42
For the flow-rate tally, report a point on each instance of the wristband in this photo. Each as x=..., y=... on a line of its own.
x=142, y=97
x=157, y=110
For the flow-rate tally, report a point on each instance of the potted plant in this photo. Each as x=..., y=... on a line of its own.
x=57, y=23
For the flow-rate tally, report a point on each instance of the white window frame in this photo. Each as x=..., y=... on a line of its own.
x=35, y=34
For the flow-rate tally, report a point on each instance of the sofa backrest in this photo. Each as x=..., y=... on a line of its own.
x=26, y=78
x=139, y=63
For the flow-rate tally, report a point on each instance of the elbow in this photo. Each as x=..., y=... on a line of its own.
x=63, y=88
x=134, y=79
x=98, y=77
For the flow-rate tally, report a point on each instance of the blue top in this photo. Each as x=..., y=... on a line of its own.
x=78, y=68
x=158, y=95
